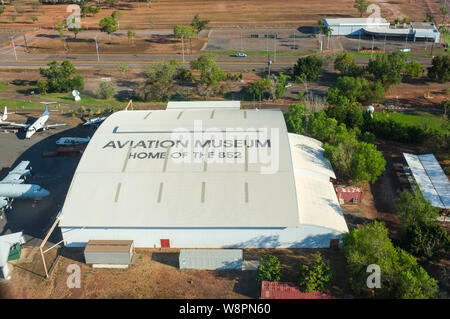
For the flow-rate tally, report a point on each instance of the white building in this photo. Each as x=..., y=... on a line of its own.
x=202, y=178
x=380, y=27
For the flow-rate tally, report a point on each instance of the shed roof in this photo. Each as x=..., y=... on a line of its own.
x=356, y=21
x=431, y=179
x=128, y=181
x=288, y=290
x=111, y=246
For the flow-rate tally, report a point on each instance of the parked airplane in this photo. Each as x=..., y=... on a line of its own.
x=12, y=186
x=38, y=125
x=5, y=115
x=95, y=121
x=73, y=140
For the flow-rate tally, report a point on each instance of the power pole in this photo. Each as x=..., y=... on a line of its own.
x=268, y=65
x=182, y=46
x=373, y=41
x=13, y=44
x=359, y=41
x=96, y=48
x=275, y=48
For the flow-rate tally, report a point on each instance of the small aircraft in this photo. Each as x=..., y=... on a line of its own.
x=38, y=125
x=12, y=186
x=73, y=140
x=95, y=121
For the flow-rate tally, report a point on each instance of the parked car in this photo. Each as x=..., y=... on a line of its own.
x=288, y=85
x=240, y=54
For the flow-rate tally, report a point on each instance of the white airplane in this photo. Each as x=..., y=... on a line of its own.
x=5, y=115
x=69, y=141
x=38, y=125
x=95, y=121
x=12, y=186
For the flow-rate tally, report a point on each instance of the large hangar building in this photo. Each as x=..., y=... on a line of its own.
x=202, y=178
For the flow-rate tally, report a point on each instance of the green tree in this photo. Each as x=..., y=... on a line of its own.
x=320, y=126
x=388, y=68
x=184, y=32
x=210, y=72
x=401, y=276
x=123, y=67
x=280, y=85
x=131, y=33
x=316, y=276
x=295, y=118
x=105, y=91
x=116, y=15
x=199, y=24
x=61, y=78
x=42, y=86
x=426, y=240
x=414, y=69
x=440, y=68
x=361, y=6
x=344, y=62
x=160, y=84
x=415, y=209
x=61, y=27
x=108, y=25
x=269, y=269
x=311, y=67
x=2, y=9
x=260, y=88
x=367, y=163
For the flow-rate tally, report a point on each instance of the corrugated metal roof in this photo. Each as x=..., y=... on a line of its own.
x=130, y=176
x=108, y=246
x=316, y=198
x=195, y=105
x=288, y=290
x=431, y=178
x=211, y=259
x=356, y=21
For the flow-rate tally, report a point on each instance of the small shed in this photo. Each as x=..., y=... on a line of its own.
x=211, y=259
x=349, y=194
x=288, y=290
x=116, y=252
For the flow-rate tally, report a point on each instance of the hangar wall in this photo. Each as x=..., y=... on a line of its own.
x=304, y=236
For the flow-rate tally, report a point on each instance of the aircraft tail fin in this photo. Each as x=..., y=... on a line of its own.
x=5, y=114
x=46, y=110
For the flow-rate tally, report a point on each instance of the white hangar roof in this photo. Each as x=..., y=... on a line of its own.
x=165, y=169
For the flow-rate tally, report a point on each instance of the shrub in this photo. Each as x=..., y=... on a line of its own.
x=105, y=91
x=401, y=276
x=42, y=86
x=269, y=269
x=316, y=276
x=311, y=67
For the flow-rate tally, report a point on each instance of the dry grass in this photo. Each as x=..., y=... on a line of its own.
x=155, y=274
x=222, y=13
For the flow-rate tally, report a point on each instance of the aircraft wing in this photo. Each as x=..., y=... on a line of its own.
x=15, y=124
x=15, y=175
x=54, y=125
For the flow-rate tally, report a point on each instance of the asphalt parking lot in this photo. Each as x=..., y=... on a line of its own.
x=53, y=173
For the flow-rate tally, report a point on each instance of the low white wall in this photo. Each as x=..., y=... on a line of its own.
x=304, y=236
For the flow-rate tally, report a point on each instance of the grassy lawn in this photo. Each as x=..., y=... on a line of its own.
x=3, y=86
x=86, y=100
x=424, y=120
x=14, y=104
